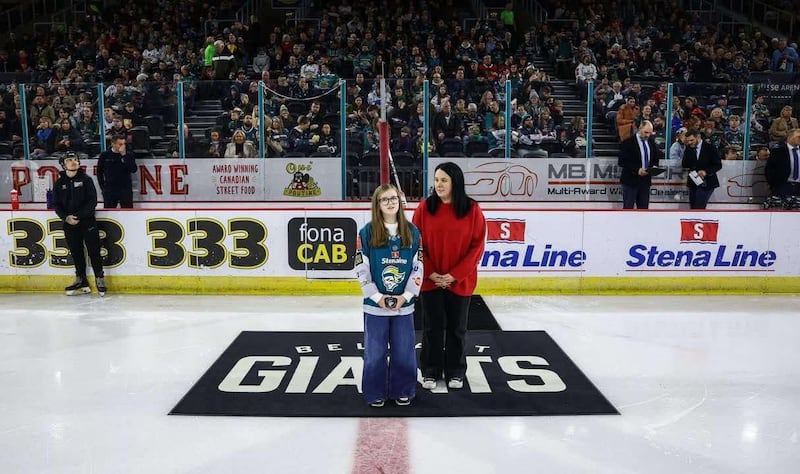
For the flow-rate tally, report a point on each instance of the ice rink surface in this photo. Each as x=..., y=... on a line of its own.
x=704, y=384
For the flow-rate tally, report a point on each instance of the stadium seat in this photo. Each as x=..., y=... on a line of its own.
x=140, y=141
x=297, y=108
x=477, y=147
x=155, y=124
x=403, y=158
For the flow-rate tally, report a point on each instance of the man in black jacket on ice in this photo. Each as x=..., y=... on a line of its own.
x=114, y=169
x=75, y=200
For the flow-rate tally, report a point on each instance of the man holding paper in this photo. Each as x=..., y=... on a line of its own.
x=701, y=159
x=638, y=157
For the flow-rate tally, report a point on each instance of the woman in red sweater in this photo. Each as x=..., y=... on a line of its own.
x=453, y=232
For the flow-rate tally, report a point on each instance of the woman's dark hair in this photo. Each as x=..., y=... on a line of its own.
x=459, y=200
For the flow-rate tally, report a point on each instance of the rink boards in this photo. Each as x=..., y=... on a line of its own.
x=311, y=250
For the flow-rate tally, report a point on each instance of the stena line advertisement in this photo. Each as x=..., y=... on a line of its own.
x=321, y=243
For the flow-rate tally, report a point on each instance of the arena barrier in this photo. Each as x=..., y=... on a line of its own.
x=310, y=251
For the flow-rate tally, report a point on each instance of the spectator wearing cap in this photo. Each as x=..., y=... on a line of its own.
x=528, y=138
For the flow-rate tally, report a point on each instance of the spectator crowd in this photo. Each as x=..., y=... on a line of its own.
x=628, y=51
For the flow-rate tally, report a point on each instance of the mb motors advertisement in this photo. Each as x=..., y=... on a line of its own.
x=595, y=179
x=321, y=243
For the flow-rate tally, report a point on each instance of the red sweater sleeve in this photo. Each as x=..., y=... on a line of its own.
x=468, y=264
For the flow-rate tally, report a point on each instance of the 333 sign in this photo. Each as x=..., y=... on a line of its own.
x=239, y=243
x=209, y=243
x=30, y=248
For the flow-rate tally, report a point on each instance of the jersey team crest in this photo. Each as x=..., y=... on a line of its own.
x=392, y=277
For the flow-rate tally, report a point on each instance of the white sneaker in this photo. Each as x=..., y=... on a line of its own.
x=377, y=404
x=428, y=383
x=403, y=401
x=455, y=383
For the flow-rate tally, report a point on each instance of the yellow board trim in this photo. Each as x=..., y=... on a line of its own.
x=285, y=285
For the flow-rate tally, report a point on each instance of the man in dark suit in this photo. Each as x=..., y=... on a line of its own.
x=703, y=159
x=637, y=154
x=783, y=167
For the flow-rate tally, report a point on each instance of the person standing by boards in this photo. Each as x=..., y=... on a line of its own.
x=74, y=200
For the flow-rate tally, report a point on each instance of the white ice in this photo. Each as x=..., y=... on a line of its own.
x=704, y=385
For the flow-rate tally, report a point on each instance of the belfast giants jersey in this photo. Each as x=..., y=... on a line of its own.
x=388, y=270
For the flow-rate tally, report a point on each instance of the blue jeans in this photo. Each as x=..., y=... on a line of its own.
x=395, y=377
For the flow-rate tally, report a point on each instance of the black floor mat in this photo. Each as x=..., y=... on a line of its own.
x=312, y=374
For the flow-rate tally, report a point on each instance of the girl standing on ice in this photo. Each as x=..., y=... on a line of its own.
x=389, y=268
